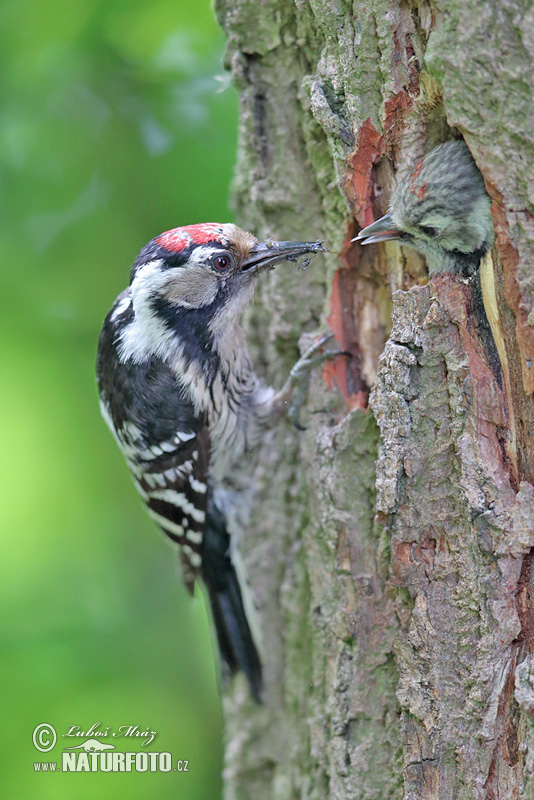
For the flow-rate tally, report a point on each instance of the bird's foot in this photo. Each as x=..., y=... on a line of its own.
x=299, y=377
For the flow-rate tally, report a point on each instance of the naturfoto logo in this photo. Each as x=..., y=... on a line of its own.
x=94, y=754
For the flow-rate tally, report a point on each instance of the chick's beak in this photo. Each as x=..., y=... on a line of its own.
x=384, y=228
x=267, y=254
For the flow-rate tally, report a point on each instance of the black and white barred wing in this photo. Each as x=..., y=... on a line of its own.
x=171, y=479
x=166, y=445
x=165, y=442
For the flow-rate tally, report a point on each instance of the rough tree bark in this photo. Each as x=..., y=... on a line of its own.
x=390, y=546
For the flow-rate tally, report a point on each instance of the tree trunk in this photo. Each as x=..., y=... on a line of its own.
x=390, y=544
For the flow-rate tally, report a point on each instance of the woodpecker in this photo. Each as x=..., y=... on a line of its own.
x=179, y=393
x=441, y=209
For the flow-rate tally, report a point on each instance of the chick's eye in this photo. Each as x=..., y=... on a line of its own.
x=428, y=230
x=221, y=263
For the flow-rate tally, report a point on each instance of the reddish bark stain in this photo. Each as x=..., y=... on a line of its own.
x=520, y=306
x=455, y=297
x=410, y=559
x=369, y=150
x=343, y=373
x=395, y=108
x=506, y=745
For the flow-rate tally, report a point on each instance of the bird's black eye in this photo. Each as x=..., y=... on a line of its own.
x=221, y=263
x=429, y=231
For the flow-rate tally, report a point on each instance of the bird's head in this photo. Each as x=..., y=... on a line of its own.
x=209, y=268
x=442, y=209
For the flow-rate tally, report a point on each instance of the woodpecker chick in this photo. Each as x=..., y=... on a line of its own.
x=441, y=209
x=181, y=397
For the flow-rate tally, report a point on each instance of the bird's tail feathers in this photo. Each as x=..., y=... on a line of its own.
x=236, y=643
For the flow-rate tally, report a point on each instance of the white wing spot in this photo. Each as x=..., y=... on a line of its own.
x=193, y=557
x=165, y=523
x=184, y=437
x=194, y=536
x=184, y=468
x=169, y=447
x=197, y=486
x=180, y=501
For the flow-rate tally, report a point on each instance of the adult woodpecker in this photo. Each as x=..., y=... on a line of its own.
x=181, y=397
x=441, y=209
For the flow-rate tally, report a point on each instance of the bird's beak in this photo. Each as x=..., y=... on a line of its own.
x=384, y=228
x=267, y=254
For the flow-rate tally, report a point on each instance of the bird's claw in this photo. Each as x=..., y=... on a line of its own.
x=300, y=374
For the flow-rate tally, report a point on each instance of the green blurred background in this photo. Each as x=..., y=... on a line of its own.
x=113, y=128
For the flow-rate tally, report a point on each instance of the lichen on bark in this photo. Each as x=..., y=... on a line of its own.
x=390, y=543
